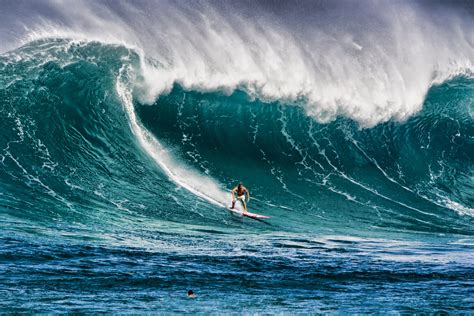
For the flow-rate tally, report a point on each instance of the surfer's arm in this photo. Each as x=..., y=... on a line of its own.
x=233, y=193
x=248, y=195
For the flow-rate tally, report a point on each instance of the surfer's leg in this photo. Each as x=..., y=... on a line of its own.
x=244, y=204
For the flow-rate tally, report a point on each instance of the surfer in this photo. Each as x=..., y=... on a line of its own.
x=240, y=190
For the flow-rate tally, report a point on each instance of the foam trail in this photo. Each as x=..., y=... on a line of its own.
x=185, y=178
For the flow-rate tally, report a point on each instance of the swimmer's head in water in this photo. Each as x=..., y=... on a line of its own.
x=191, y=294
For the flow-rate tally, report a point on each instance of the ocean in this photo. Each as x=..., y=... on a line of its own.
x=124, y=126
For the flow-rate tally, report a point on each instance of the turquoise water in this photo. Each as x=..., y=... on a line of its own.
x=110, y=202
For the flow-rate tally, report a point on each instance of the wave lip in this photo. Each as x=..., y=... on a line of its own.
x=372, y=66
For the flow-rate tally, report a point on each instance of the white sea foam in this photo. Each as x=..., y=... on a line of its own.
x=376, y=66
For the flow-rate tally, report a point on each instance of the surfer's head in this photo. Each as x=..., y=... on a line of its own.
x=240, y=185
x=191, y=294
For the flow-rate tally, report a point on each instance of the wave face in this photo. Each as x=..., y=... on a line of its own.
x=412, y=175
x=124, y=126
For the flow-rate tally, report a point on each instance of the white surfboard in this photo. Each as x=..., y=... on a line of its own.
x=247, y=214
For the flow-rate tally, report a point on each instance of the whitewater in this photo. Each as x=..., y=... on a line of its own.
x=126, y=124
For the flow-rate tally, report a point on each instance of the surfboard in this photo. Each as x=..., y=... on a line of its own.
x=247, y=214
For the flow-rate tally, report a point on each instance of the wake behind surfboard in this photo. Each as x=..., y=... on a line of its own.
x=247, y=214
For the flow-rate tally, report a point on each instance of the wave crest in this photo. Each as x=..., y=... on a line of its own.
x=371, y=63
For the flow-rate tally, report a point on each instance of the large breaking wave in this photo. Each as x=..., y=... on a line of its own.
x=76, y=137
x=110, y=114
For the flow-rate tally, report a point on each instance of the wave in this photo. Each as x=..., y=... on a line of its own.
x=80, y=145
